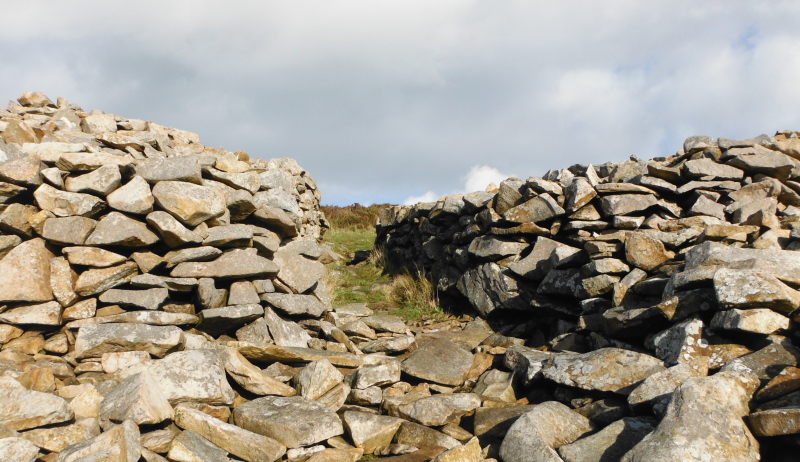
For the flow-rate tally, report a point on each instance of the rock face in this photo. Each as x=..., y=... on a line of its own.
x=161, y=300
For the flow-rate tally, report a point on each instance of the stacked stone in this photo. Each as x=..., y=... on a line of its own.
x=654, y=297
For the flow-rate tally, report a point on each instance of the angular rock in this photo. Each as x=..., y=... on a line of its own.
x=190, y=203
x=18, y=449
x=189, y=446
x=24, y=409
x=439, y=361
x=316, y=379
x=293, y=305
x=120, y=443
x=250, y=446
x=370, y=431
x=23, y=171
x=92, y=256
x=133, y=197
x=606, y=369
x=756, y=320
x=93, y=341
x=171, y=230
x=437, y=410
x=183, y=168
x=67, y=204
x=230, y=236
x=118, y=229
x=292, y=421
x=68, y=230
x=250, y=377
x=285, y=333
x=237, y=263
x=45, y=314
x=540, y=208
x=193, y=376
x=744, y=288
x=646, y=252
x=216, y=321
x=685, y=434
x=94, y=281
x=100, y=182
x=609, y=444
x=538, y=433
x=297, y=272
x=137, y=398
x=26, y=273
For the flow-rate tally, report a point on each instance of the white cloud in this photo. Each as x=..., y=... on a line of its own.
x=479, y=177
x=429, y=196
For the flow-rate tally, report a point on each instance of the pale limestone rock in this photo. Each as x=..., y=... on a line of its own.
x=316, y=379
x=370, y=431
x=149, y=299
x=190, y=203
x=94, y=340
x=774, y=422
x=606, y=369
x=439, y=361
x=18, y=450
x=285, y=333
x=298, y=272
x=237, y=263
x=469, y=452
x=250, y=446
x=538, y=433
x=745, y=288
x=95, y=281
x=45, y=314
x=62, y=281
x=293, y=421
x=193, y=375
x=118, y=229
x=217, y=321
x=293, y=304
x=685, y=434
x=133, y=197
x=230, y=236
x=68, y=230
x=137, y=398
x=646, y=252
x=611, y=443
x=25, y=409
x=681, y=343
x=25, y=170
x=438, y=410
x=250, y=377
x=757, y=320
x=92, y=256
x=183, y=168
x=171, y=230
x=26, y=273
x=66, y=204
x=100, y=182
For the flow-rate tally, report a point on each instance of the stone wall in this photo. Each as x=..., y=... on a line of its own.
x=690, y=260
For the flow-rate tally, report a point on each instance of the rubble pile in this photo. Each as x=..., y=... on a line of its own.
x=656, y=298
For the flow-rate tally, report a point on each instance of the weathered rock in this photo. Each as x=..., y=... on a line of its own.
x=292, y=421
x=537, y=433
x=171, y=230
x=439, y=361
x=646, y=252
x=291, y=304
x=370, y=431
x=92, y=256
x=18, y=449
x=137, y=398
x=250, y=377
x=237, y=263
x=250, y=446
x=133, y=197
x=23, y=171
x=24, y=409
x=685, y=434
x=657, y=389
x=45, y=314
x=606, y=369
x=745, y=288
x=230, y=236
x=66, y=204
x=469, y=452
x=93, y=341
x=683, y=342
x=183, y=168
x=609, y=444
x=217, y=321
x=540, y=208
x=100, y=182
x=118, y=229
x=757, y=320
x=95, y=281
x=774, y=422
x=26, y=273
x=120, y=443
x=438, y=409
x=193, y=376
x=316, y=379
x=189, y=446
x=625, y=204
x=285, y=333
x=190, y=203
x=68, y=230
x=297, y=272
x=56, y=439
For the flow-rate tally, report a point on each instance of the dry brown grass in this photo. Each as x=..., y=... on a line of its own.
x=354, y=216
x=414, y=296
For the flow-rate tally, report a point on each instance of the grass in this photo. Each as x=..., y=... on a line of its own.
x=360, y=278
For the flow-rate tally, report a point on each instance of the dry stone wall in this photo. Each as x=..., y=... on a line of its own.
x=669, y=283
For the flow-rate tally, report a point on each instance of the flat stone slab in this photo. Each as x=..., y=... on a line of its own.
x=93, y=341
x=440, y=361
x=293, y=421
x=606, y=369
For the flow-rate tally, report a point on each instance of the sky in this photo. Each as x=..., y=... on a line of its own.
x=403, y=101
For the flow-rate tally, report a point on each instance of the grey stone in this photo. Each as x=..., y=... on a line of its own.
x=133, y=197
x=491, y=248
x=370, y=431
x=183, y=168
x=94, y=281
x=68, y=230
x=250, y=446
x=217, y=321
x=292, y=421
x=757, y=320
x=293, y=304
x=66, y=204
x=192, y=376
x=625, y=204
x=18, y=449
x=190, y=203
x=316, y=379
x=538, y=433
x=192, y=254
x=606, y=369
x=276, y=220
x=137, y=398
x=148, y=299
x=236, y=263
x=540, y=208
x=24, y=409
x=744, y=288
x=285, y=333
x=229, y=236
x=297, y=272
x=93, y=341
x=438, y=410
x=250, y=377
x=100, y=182
x=171, y=230
x=685, y=434
x=709, y=170
x=118, y=229
x=25, y=170
x=610, y=443
x=439, y=361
